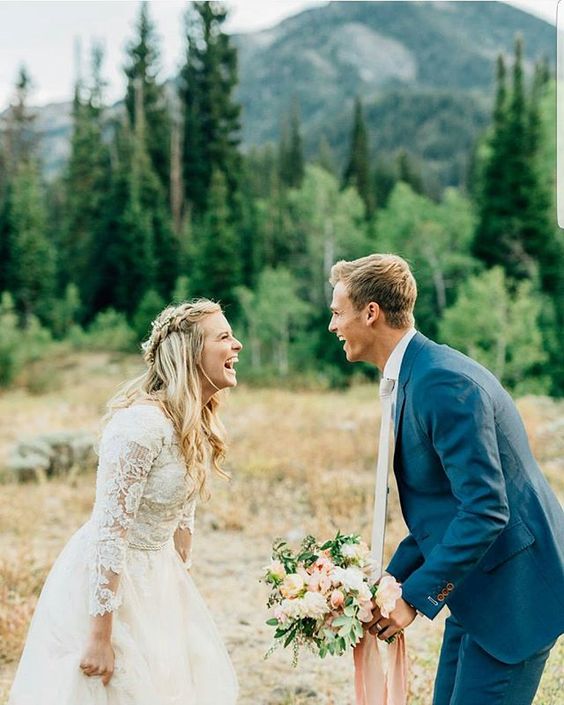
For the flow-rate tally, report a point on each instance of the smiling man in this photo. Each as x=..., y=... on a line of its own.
x=486, y=532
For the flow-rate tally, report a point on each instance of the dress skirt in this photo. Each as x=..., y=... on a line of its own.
x=167, y=647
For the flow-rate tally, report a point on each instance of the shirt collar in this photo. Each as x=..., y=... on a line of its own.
x=393, y=365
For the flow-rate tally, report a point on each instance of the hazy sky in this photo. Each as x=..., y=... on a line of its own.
x=43, y=35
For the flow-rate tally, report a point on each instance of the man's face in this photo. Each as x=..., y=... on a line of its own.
x=349, y=325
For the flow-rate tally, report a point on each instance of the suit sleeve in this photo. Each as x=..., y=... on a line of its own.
x=458, y=418
x=406, y=559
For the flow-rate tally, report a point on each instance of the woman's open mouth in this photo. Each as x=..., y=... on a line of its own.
x=230, y=363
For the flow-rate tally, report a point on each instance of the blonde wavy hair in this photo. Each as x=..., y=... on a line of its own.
x=173, y=354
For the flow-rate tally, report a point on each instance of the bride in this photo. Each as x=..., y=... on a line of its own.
x=119, y=620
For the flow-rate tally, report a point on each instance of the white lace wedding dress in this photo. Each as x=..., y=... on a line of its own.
x=168, y=650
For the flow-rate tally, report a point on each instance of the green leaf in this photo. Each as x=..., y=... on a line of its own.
x=342, y=620
x=290, y=638
x=272, y=622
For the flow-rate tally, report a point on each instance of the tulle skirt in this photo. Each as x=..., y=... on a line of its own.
x=168, y=650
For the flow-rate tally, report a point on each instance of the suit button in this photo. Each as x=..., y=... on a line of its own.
x=450, y=586
x=440, y=597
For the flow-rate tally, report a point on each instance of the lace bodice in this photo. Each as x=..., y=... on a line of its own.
x=143, y=494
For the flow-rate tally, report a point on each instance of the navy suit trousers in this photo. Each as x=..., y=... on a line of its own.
x=468, y=675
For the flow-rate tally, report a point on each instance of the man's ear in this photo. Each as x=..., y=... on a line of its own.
x=372, y=313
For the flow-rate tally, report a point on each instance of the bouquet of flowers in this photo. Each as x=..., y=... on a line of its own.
x=321, y=595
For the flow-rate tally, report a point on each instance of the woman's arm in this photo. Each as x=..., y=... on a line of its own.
x=98, y=658
x=127, y=453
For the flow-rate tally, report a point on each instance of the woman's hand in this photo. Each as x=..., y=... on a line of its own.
x=183, y=544
x=98, y=659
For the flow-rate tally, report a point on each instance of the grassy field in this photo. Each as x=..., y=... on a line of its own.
x=301, y=462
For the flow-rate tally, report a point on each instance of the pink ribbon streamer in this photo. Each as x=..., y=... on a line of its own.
x=372, y=685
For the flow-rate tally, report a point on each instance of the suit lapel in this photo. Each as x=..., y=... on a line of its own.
x=412, y=350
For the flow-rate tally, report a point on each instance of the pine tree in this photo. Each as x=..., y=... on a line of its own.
x=385, y=177
x=218, y=270
x=514, y=230
x=127, y=258
x=30, y=274
x=211, y=117
x=357, y=171
x=85, y=184
x=408, y=173
x=489, y=241
x=143, y=66
x=138, y=249
x=539, y=236
x=290, y=152
x=28, y=257
x=20, y=136
x=325, y=156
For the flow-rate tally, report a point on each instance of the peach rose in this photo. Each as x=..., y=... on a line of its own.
x=389, y=592
x=337, y=599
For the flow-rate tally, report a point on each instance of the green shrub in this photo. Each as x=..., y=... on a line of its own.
x=149, y=307
x=19, y=345
x=108, y=331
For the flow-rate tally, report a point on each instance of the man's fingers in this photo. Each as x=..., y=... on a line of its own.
x=388, y=633
x=107, y=677
x=376, y=617
x=379, y=626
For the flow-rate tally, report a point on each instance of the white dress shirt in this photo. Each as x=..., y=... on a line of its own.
x=393, y=365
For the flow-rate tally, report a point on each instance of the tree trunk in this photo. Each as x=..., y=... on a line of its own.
x=176, y=189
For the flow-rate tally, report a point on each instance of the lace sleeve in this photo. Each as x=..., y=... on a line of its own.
x=126, y=457
x=187, y=520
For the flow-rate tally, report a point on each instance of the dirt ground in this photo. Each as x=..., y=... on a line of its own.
x=301, y=462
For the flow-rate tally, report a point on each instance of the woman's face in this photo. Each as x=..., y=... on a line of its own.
x=220, y=354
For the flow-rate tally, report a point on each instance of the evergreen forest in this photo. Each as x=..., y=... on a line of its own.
x=160, y=202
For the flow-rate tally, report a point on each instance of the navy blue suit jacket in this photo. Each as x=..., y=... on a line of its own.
x=486, y=531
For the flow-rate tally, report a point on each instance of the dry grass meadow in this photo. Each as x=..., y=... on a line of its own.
x=301, y=462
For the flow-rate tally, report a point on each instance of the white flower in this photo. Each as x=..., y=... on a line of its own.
x=276, y=570
x=350, y=578
x=312, y=604
x=291, y=608
x=364, y=594
x=350, y=550
x=292, y=586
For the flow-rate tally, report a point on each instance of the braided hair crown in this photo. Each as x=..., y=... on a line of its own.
x=175, y=319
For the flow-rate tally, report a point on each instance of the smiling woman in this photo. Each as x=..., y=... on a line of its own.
x=119, y=619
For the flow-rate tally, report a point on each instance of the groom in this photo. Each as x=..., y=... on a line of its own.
x=486, y=532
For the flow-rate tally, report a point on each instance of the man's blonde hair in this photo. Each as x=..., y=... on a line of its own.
x=384, y=279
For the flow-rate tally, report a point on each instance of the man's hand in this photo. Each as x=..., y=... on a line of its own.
x=400, y=618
